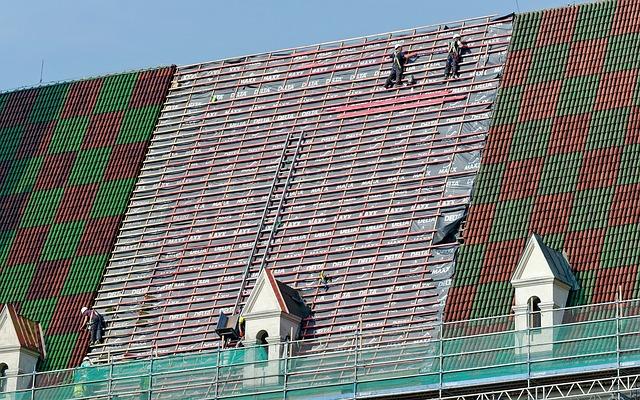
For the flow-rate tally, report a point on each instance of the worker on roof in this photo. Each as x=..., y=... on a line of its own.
x=454, y=57
x=399, y=59
x=324, y=280
x=95, y=324
x=241, y=325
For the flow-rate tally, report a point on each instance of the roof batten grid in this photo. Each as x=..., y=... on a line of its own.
x=369, y=45
x=325, y=86
x=366, y=191
x=377, y=61
x=414, y=157
x=481, y=112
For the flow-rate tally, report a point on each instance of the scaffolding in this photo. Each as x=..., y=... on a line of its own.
x=595, y=352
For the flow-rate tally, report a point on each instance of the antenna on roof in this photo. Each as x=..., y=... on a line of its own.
x=517, y=6
x=41, y=70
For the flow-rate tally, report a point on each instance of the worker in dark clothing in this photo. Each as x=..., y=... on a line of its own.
x=95, y=324
x=454, y=57
x=397, y=69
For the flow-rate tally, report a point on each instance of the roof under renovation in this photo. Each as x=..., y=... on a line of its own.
x=300, y=161
x=159, y=195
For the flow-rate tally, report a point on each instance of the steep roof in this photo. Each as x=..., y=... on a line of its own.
x=69, y=156
x=562, y=159
x=28, y=332
x=362, y=178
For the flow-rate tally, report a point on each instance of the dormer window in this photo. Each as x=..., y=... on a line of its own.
x=21, y=347
x=273, y=312
x=542, y=281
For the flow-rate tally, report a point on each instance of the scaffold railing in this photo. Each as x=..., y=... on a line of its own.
x=597, y=339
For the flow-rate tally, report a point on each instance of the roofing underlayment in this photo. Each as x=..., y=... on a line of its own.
x=69, y=157
x=562, y=160
x=300, y=161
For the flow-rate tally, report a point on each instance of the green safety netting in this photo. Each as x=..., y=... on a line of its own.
x=371, y=371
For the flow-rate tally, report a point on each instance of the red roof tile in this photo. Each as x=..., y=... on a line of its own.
x=626, y=18
x=551, y=19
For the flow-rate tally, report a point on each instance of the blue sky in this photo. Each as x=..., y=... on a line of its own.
x=77, y=39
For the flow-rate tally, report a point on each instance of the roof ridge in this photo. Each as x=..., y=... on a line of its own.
x=82, y=79
x=584, y=3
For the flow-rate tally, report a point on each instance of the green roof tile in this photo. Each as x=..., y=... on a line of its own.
x=62, y=240
x=507, y=105
x=622, y=53
x=630, y=165
x=59, y=348
x=89, y=166
x=10, y=141
x=591, y=209
x=49, y=103
x=42, y=207
x=549, y=63
x=29, y=174
x=138, y=124
x=472, y=256
x=511, y=219
x=560, y=173
x=15, y=281
x=585, y=292
x=621, y=244
x=40, y=310
x=112, y=198
x=487, y=184
x=607, y=128
x=578, y=94
x=554, y=240
x=68, y=134
x=527, y=26
x=594, y=20
x=115, y=93
x=530, y=139
x=490, y=299
x=85, y=273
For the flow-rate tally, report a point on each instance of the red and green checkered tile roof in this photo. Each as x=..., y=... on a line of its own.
x=69, y=157
x=562, y=159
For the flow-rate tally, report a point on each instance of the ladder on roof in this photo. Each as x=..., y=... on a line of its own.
x=270, y=220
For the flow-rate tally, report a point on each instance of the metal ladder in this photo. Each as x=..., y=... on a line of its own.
x=270, y=220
